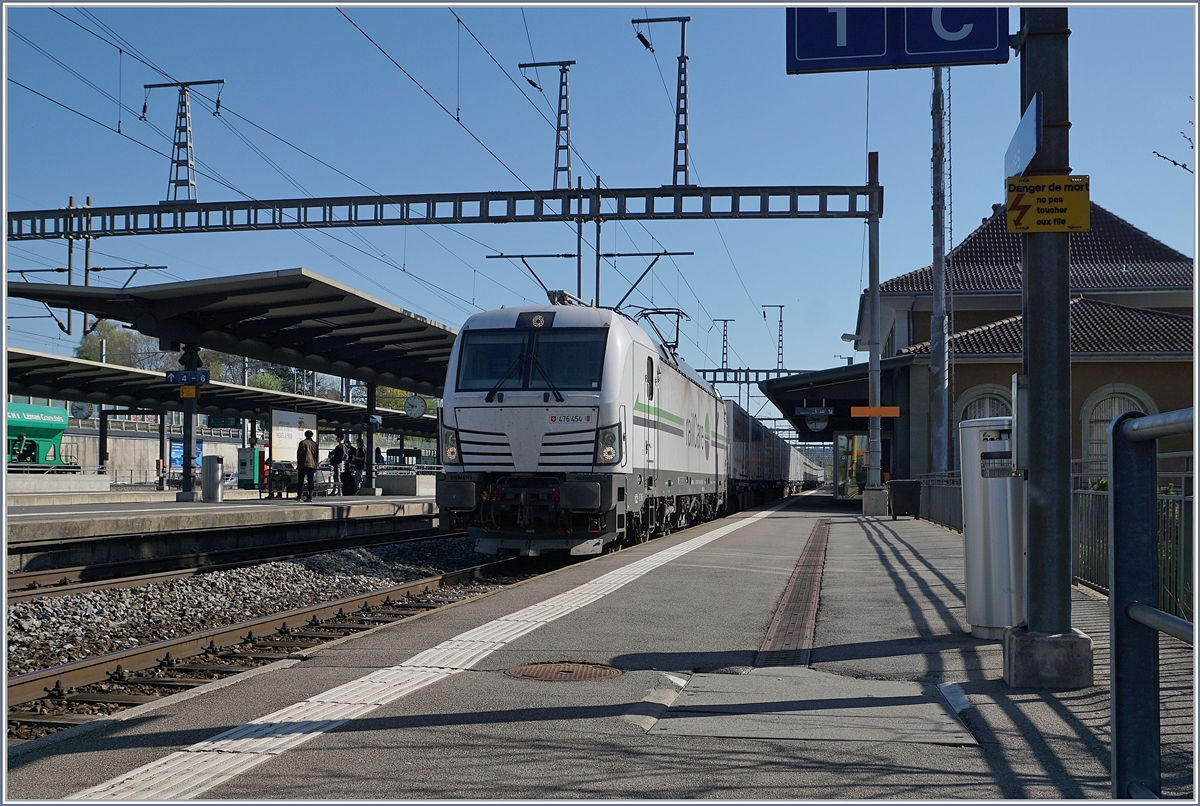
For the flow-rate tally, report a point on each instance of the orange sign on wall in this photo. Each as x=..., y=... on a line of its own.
x=874, y=411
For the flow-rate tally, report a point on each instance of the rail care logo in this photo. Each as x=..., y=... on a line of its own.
x=1049, y=204
x=693, y=436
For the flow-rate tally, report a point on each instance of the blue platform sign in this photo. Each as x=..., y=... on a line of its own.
x=187, y=377
x=824, y=40
x=1026, y=141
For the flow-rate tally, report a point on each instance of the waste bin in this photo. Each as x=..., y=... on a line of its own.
x=993, y=513
x=212, y=478
x=904, y=497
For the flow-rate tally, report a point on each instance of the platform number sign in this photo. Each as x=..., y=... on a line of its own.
x=187, y=377
x=824, y=40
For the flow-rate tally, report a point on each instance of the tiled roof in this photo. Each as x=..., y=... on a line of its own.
x=1114, y=254
x=1096, y=327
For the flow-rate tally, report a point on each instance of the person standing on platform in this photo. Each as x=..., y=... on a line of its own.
x=360, y=461
x=337, y=457
x=307, y=455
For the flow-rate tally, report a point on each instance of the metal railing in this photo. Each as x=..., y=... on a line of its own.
x=1174, y=495
x=407, y=470
x=941, y=498
x=1133, y=566
x=150, y=427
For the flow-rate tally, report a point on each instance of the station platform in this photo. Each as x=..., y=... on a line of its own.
x=86, y=534
x=99, y=519
x=727, y=688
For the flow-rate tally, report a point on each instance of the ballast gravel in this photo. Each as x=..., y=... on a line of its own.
x=54, y=630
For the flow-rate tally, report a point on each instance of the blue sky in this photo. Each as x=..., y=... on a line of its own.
x=307, y=76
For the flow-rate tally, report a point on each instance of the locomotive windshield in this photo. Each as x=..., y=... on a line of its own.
x=562, y=358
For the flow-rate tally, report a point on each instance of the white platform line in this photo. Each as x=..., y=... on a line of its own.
x=191, y=772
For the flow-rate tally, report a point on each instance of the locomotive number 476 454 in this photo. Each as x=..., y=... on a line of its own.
x=561, y=418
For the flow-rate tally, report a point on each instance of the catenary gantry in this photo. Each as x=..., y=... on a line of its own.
x=563, y=205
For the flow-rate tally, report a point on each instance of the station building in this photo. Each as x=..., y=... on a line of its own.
x=1131, y=343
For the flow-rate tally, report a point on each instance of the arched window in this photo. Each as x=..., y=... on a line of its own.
x=985, y=400
x=1102, y=406
x=986, y=406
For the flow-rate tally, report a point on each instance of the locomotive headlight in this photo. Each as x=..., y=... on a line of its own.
x=608, y=445
x=450, y=454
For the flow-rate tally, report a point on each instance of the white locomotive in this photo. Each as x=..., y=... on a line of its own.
x=567, y=428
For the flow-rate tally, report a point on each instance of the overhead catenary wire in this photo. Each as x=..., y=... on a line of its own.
x=442, y=106
x=125, y=47
x=145, y=60
x=236, y=190
x=208, y=172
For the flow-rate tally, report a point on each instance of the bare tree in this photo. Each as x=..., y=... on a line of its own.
x=1191, y=146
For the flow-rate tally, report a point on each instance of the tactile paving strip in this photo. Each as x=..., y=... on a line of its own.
x=192, y=772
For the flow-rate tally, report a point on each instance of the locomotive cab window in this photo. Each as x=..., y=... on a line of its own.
x=491, y=358
x=561, y=358
x=568, y=358
x=649, y=378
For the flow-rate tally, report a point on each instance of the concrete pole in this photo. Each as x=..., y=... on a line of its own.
x=164, y=453
x=1048, y=653
x=190, y=360
x=596, y=212
x=102, y=420
x=369, y=467
x=245, y=382
x=939, y=441
x=70, y=261
x=875, y=452
x=579, y=241
x=87, y=265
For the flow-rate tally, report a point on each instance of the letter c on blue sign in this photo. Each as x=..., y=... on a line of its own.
x=950, y=36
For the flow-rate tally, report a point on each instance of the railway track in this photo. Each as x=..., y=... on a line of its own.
x=62, y=581
x=87, y=690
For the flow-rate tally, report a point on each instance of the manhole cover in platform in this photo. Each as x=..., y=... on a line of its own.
x=563, y=671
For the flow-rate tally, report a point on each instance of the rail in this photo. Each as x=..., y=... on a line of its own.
x=941, y=498
x=1136, y=756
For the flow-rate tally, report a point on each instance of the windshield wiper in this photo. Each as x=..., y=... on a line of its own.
x=492, y=394
x=538, y=364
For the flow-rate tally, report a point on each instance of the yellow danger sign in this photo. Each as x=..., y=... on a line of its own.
x=1049, y=204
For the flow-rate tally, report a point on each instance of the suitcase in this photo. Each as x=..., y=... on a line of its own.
x=349, y=485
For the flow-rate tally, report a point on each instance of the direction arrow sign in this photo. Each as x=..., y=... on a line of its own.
x=822, y=40
x=187, y=377
x=1026, y=140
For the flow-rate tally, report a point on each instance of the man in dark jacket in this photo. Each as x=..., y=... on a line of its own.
x=307, y=455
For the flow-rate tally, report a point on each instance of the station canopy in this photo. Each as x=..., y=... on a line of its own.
x=293, y=317
x=54, y=376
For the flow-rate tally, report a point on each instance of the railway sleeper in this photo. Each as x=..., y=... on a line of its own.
x=166, y=682
x=32, y=719
x=113, y=698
